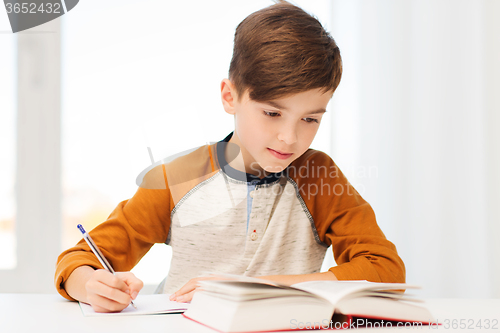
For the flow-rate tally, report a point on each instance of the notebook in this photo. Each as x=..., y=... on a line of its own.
x=146, y=305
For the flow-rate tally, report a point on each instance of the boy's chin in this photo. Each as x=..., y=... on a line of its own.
x=274, y=169
x=263, y=170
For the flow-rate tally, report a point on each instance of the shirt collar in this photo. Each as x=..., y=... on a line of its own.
x=240, y=175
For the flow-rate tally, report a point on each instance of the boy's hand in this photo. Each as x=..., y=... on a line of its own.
x=185, y=294
x=112, y=293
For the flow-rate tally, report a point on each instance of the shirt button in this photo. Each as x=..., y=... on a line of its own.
x=253, y=236
x=252, y=193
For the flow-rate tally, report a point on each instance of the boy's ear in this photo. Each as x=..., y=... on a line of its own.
x=228, y=95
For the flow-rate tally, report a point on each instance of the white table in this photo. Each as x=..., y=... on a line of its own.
x=52, y=314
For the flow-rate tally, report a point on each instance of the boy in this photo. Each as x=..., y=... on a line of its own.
x=259, y=202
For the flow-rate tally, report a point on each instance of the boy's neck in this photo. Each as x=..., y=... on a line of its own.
x=238, y=163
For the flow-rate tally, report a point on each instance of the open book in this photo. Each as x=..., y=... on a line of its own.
x=247, y=305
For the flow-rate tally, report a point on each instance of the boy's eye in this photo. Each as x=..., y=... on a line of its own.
x=271, y=113
x=310, y=120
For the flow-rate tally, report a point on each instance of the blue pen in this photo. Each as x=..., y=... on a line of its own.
x=98, y=253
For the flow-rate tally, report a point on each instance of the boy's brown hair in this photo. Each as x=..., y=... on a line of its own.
x=282, y=50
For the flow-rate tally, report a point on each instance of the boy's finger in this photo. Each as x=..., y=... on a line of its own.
x=103, y=304
x=134, y=284
x=111, y=294
x=99, y=309
x=188, y=287
x=111, y=280
x=186, y=297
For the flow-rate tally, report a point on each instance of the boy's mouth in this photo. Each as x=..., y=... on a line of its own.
x=278, y=154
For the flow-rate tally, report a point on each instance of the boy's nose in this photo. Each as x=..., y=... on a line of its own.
x=288, y=135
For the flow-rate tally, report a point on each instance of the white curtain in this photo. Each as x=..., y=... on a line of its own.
x=414, y=127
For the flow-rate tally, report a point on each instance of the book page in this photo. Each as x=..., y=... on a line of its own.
x=244, y=290
x=334, y=291
x=146, y=305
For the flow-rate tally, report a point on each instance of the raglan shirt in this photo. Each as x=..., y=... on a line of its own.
x=218, y=219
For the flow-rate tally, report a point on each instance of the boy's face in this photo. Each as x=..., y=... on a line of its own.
x=272, y=134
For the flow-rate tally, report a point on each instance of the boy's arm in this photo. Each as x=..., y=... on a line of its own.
x=346, y=221
x=293, y=279
x=360, y=249
x=130, y=231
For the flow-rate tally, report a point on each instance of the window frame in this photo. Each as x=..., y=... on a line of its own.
x=38, y=161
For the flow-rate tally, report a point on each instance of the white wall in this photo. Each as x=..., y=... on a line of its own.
x=419, y=103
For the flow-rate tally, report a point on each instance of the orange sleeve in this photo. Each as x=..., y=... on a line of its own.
x=346, y=221
x=360, y=248
x=125, y=237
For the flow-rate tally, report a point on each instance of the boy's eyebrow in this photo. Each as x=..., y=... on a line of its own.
x=281, y=107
